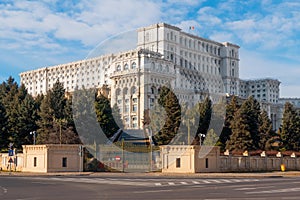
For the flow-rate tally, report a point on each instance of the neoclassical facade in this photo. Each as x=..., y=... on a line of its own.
x=191, y=66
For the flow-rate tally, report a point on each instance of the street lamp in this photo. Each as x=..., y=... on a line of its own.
x=34, y=134
x=201, y=135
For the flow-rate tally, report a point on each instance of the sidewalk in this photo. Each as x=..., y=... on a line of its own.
x=159, y=174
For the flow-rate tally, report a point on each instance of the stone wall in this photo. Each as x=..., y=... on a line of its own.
x=257, y=163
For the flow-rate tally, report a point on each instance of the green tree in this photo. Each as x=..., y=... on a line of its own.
x=241, y=137
x=10, y=102
x=290, y=128
x=3, y=132
x=46, y=122
x=105, y=116
x=168, y=100
x=157, y=113
x=266, y=132
x=231, y=108
x=253, y=120
x=205, y=112
x=56, y=124
x=26, y=122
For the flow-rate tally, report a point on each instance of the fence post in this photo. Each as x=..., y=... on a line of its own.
x=123, y=156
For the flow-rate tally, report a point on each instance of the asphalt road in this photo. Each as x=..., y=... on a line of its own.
x=127, y=187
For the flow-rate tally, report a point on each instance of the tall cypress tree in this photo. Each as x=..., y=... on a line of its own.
x=290, y=130
x=56, y=125
x=27, y=117
x=231, y=108
x=205, y=112
x=253, y=120
x=241, y=137
x=45, y=123
x=266, y=132
x=169, y=101
x=105, y=117
x=3, y=132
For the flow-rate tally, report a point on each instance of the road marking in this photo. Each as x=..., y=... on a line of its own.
x=225, y=180
x=275, y=191
x=4, y=189
x=151, y=191
x=149, y=182
x=216, y=181
x=253, y=188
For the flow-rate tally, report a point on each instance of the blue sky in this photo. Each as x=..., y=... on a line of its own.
x=42, y=33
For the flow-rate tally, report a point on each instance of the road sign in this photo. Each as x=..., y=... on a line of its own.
x=118, y=158
x=10, y=160
x=10, y=152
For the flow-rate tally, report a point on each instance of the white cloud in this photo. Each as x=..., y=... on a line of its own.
x=185, y=25
x=207, y=18
x=94, y=22
x=186, y=2
x=222, y=36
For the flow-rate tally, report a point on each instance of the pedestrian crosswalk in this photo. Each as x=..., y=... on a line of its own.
x=154, y=182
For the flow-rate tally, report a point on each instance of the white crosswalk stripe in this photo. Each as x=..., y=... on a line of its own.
x=147, y=182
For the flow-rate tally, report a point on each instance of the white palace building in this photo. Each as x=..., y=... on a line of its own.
x=191, y=65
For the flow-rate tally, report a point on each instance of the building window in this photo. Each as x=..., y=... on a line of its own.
x=118, y=92
x=118, y=68
x=34, y=161
x=152, y=66
x=64, y=162
x=134, y=108
x=206, y=162
x=126, y=108
x=133, y=90
x=125, y=91
x=133, y=65
x=177, y=162
x=126, y=66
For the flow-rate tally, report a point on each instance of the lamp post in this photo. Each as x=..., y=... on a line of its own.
x=201, y=135
x=34, y=134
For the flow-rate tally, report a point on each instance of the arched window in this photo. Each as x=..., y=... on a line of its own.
x=160, y=67
x=152, y=90
x=133, y=65
x=125, y=91
x=167, y=68
x=126, y=66
x=118, y=92
x=133, y=90
x=153, y=66
x=119, y=68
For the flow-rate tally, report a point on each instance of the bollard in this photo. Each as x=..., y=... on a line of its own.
x=282, y=167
